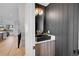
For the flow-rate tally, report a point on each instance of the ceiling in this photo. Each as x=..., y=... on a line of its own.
x=44, y=4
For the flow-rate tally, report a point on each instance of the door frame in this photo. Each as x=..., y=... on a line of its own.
x=30, y=29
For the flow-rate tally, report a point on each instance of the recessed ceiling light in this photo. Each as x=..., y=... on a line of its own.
x=44, y=4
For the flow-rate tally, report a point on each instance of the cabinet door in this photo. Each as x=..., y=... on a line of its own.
x=48, y=48
x=40, y=49
x=37, y=50
x=52, y=48
x=45, y=49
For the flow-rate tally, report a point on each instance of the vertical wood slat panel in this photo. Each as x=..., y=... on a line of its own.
x=75, y=23
x=64, y=28
x=73, y=29
x=57, y=24
x=65, y=24
x=42, y=49
x=52, y=48
x=70, y=31
x=78, y=26
x=45, y=49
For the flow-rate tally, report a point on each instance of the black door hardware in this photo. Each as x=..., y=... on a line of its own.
x=19, y=39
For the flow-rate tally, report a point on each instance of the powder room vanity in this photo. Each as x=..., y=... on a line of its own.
x=45, y=47
x=45, y=43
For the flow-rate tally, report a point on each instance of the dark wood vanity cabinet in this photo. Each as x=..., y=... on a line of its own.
x=45, y=48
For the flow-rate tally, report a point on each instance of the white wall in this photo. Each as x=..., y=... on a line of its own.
x=29, y=28
x=9, y=15
x=21, y=26
x=14, y=14
x=23, y=18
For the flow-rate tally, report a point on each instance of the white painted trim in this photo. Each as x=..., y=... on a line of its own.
x=30, y=29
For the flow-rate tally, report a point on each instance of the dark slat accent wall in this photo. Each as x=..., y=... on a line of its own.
x=73, y=28
x=70, y=29
x=76, y=27
x=62, y=21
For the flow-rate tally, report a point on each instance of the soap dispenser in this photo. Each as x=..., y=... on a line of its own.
x=48, y=32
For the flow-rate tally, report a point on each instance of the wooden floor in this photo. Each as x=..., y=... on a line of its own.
x=8, y=47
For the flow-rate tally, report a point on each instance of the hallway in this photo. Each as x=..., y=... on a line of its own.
x=8, y=47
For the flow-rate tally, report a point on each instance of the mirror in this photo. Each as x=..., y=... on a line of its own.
x=39, y=18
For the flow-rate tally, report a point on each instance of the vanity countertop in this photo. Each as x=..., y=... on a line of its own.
x=52, y=39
